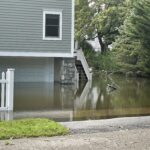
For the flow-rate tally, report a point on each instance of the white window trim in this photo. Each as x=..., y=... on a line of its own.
x=55, y=12
x=73, y=26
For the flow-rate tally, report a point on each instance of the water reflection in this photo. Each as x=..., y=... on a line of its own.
x=90, y=100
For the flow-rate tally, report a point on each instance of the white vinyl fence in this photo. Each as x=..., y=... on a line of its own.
x=7, y=90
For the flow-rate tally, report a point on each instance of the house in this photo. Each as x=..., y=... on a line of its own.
x=95, y=44
x=37, y=39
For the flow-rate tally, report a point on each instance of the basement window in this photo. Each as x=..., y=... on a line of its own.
x=52, y=25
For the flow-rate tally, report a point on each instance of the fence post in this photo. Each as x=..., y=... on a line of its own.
x=10, y=89
x=3, y=91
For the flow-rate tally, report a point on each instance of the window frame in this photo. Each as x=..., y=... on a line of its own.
x=52, y=12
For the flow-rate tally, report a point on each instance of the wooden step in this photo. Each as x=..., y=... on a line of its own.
x=82, y=75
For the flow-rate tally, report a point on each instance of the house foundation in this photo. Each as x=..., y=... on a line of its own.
x=65, y=70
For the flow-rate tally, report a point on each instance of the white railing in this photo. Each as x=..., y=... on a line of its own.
x=7, y=90
x=81, y=57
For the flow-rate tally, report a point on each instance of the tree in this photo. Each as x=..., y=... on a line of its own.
x=132, y=46
x=99, y=18
x=83, y=19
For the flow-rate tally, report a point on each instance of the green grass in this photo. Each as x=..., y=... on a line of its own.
x=30, y=128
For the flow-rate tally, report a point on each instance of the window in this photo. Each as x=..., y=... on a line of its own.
x=52, y=25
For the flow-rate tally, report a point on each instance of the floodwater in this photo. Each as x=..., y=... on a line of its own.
x=87, y=101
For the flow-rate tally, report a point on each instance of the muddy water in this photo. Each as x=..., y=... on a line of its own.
x=105, y=97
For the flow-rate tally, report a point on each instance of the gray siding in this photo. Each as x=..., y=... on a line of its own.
x=21, y=26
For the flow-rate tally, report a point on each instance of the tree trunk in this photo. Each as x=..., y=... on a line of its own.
x=102, y=44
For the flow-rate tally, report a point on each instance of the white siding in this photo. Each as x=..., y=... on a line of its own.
x=30, y=69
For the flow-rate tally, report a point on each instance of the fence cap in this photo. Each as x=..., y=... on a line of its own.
x=10, y=69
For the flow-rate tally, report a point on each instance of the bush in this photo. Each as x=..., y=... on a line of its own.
x=100, y=61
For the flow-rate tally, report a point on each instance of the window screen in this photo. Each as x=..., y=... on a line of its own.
x=52, y=25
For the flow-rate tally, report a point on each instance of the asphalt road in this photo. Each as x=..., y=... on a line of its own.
x=112, y=134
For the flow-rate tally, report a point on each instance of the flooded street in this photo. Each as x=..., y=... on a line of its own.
x=87, y=101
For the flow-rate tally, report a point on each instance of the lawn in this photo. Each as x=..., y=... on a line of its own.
x=30, y=128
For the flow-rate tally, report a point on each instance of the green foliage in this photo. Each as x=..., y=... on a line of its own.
x=108, y=20
x=124, y=23
x=83, y=19
x=100, y=62
x=30, y=128
x=101, y=18
x=132, y=48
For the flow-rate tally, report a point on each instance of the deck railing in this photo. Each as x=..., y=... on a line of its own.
x=7, y=90
x=87, y=69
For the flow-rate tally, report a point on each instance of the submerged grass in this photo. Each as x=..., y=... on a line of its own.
x=30, y=128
